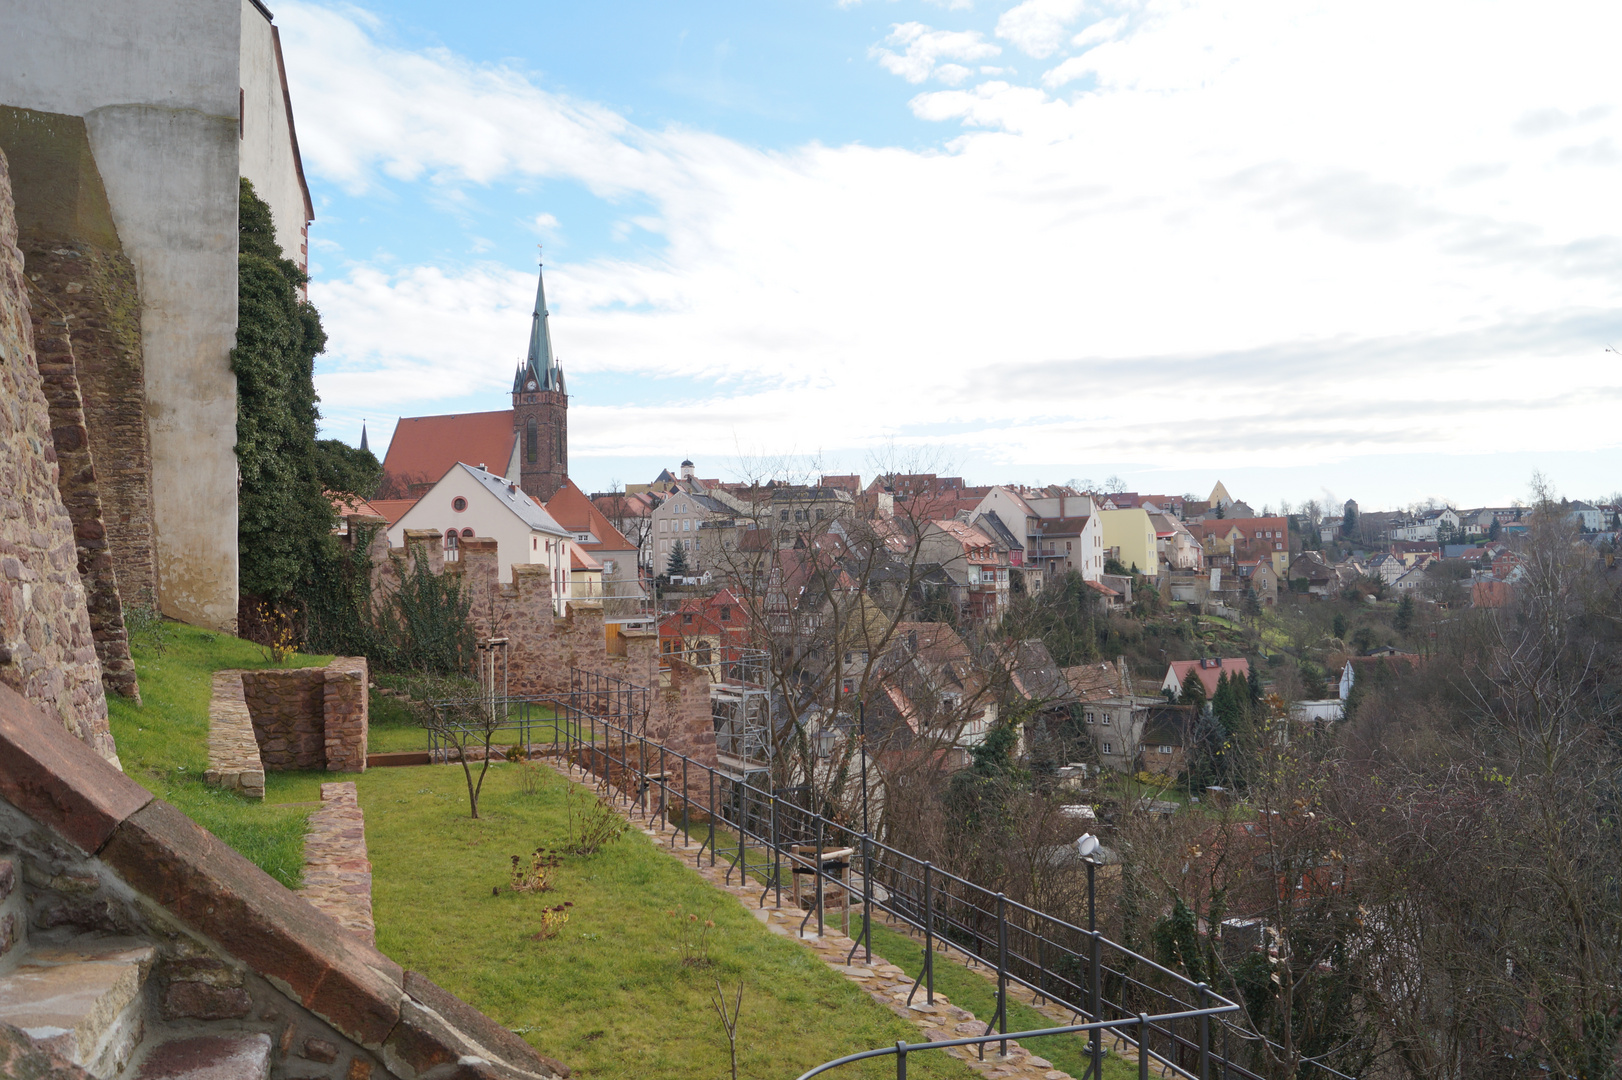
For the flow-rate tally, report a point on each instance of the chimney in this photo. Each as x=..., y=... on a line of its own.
x=482, y=468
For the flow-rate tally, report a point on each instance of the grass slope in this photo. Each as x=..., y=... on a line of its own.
x=609, y=995
x=163, y=744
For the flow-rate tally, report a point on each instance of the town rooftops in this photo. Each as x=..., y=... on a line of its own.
x=425, y=448
x=515, y=500
x=391, y=510
x=571, y=509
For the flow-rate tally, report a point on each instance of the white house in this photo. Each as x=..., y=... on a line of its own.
x=469, y=501
x=1588, y=516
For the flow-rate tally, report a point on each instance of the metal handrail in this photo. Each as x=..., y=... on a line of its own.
x=1094, y=978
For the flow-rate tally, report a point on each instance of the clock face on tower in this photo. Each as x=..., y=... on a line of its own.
x=531, y=384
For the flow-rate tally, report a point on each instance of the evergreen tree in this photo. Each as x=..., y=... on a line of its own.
x=677, y=565
x=1193, y=691
x=283, y=517
x=1255, y=682
x=1340, y=626
x=1405, y=614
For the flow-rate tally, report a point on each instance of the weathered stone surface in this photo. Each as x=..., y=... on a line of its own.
x=70, y=1000
x=252, y=917
x=202, y=1001
x=319, y=1050
x=47, y=648
x=209, y=1057
x=21, y=1058
x=59, y=780
x=346, y=713
x=8, y=878
x=337, y=874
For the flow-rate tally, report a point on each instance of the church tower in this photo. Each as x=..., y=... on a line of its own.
x=541, y=410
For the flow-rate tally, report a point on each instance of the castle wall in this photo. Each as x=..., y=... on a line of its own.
x=47, y=651
x=157, y=83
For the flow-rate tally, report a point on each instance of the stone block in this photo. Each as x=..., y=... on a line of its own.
x=58, y=780
x=202, y=1001
x=209, y=1057
x=316, y=1049
x=21, y=1057
x=252, y=917
x=500, y=1042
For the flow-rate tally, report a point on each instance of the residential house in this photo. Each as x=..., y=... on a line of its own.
x=1309, y=573
x=1178, y=549
x=467, y=502
x=709, y=632
x=1247, y=538
x=1258, y=576
x=1163, y=504
x=1429, y=526
x=931, y=684
x=1064, y=544
x=1163, y=734
x=1412, y=552
x=978, y=570
x=1129, y=537
x=1587, y=516
x=1038, y=690
x=795, y=509
x=632, y=515
x=1219, y=497
x=1411, y=580
x=1386, y=567
x=706, y=524
x=596, y=537
x=1329, y=529
x=1209, y=671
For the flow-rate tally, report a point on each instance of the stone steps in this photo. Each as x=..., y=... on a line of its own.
x=81, y=998
x=207, y=1057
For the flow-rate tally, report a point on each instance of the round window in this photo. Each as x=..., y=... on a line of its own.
x=459, y=504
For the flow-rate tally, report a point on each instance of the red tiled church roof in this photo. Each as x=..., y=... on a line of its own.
x=424, y=448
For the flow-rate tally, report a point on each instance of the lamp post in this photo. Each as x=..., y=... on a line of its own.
x=861, y=737
x=1087, y=846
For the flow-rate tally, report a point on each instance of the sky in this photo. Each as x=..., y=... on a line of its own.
x=1314, y=250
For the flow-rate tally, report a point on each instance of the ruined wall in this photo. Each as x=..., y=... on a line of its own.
x=286, y=709
x=47, y=651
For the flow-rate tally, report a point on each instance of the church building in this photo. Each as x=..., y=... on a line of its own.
x=527, y=444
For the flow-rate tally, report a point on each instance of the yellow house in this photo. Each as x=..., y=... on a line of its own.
x=1132, y=536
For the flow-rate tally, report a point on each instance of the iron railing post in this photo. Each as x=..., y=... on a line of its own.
x=1143, y=1046
x=712, y=818
x=776, y=859
x=686, y=805
x=1205, y=1033
x=929, y=935
x=900, y=1059
x=816, y=861
x=1095, y=977
x=867, y=897
x=1002, y=970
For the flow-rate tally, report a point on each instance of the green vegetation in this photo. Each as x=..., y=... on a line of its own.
x=163, y=744
x=283, y=517
x=610, y=993
x=973, y=991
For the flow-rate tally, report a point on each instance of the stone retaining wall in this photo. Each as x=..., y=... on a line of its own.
x=337, y=873
x=281, y=719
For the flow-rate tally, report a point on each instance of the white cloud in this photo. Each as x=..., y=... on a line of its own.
x=1038, y=27
x=1279, y=222
x=922, y=48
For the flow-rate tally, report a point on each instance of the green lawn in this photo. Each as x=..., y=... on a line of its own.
x=163, y=744
x=609, y=995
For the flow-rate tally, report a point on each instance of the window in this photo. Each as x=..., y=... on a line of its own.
x=726, y=614
x=1067, y=545
x=1106, y=720
x=1090, y=717
x=687, y=618
x=782, y=515
x=819, y=515
x=1108, y=748
x=450, y=538
x=532, y=441
x=1164, y=749
x=459, y=504
x=663, y=525
x=535, y=543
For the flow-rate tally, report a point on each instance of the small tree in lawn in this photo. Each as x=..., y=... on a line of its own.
x=466, y=723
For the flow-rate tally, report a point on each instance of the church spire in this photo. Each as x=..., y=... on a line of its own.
x=363, y=444
x=541, y=365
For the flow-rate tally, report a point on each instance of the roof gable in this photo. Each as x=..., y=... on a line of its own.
x=571, y=509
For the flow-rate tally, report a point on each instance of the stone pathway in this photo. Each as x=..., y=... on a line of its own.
x=233, y=753
x=883, y=981
x=337, y=874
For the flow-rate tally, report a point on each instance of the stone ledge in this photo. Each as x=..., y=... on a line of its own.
x=337, y=874
x=233, y=750
x=59, y=781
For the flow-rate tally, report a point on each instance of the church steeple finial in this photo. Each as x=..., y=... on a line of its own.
x=541, y=365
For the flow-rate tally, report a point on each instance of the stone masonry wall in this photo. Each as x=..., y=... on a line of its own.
x=87, y=330
x=346, y=705
x=286, y=708
x=47, y=649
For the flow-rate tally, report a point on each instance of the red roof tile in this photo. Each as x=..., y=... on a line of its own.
x=571, y=509
x=392, y=510
x=424, y=448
